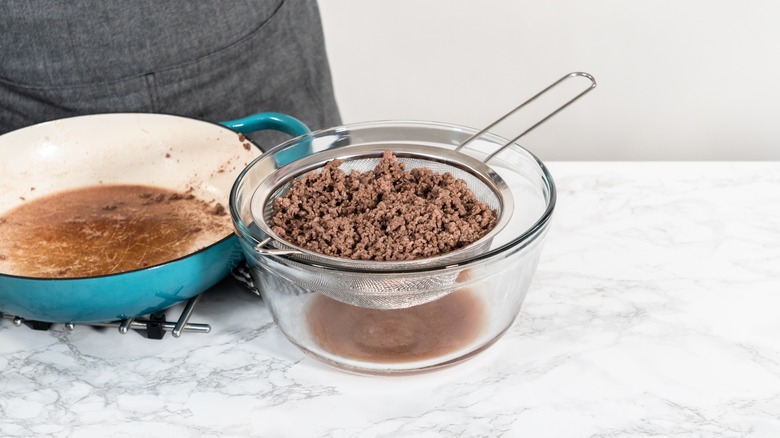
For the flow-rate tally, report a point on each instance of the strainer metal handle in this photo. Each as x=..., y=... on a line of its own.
x=535, y=125
x=274, y=246
x=263, y=248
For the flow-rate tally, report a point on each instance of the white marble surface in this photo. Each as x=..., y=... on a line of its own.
x=655, y=311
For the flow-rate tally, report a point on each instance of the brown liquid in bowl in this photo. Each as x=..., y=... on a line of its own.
x=106, y=229
x=422, y=332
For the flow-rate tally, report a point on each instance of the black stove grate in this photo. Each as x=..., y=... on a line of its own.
x=152, y=327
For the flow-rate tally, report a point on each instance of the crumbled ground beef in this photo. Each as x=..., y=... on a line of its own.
x=388, y=214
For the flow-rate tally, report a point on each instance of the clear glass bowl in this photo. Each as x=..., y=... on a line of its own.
x=477, y=299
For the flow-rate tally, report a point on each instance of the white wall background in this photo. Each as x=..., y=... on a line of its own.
x=677, y=79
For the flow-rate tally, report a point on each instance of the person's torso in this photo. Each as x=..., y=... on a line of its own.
x=67, y=43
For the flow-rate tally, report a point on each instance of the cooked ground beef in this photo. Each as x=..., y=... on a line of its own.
x=388, y=214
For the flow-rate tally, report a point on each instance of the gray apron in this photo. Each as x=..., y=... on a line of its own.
x=214, y=60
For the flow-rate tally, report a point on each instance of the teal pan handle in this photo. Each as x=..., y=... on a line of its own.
x=278, y=122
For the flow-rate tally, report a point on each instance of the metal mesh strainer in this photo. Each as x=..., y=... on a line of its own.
x=395, y=284
x=486, y=185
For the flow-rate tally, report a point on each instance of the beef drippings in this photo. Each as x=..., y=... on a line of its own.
x=106, y=229
x=422, y=332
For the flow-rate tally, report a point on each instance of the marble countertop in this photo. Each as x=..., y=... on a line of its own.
x=655, y=311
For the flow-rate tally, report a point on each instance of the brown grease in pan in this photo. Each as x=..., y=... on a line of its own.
x=106, y=229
